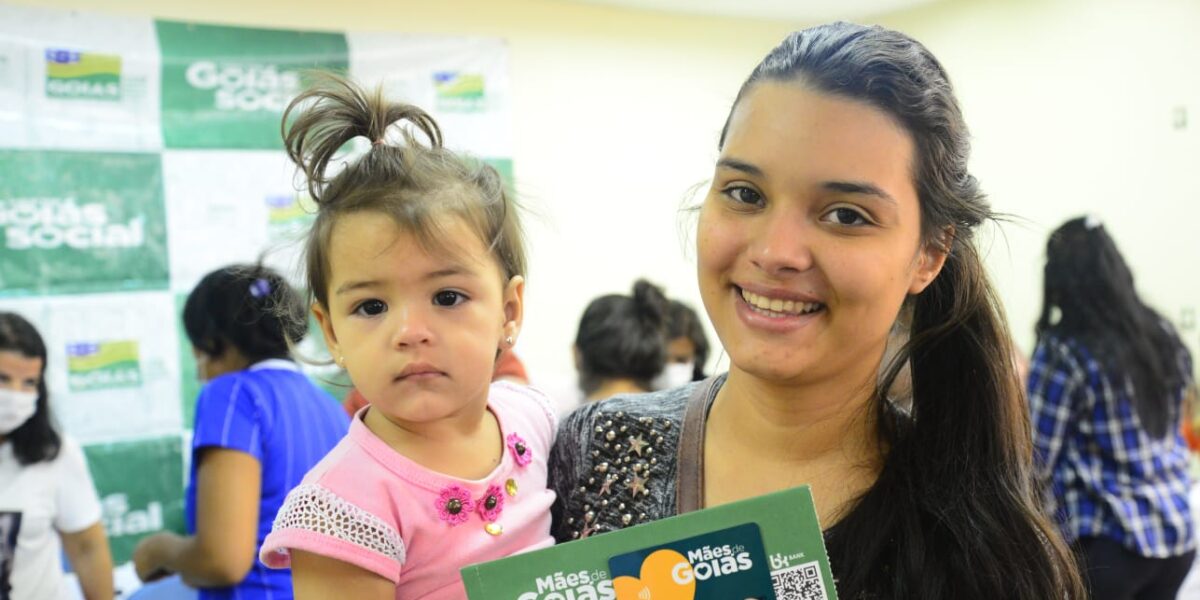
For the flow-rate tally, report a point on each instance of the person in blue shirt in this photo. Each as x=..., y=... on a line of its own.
x=261, y=424
x=1106, y=388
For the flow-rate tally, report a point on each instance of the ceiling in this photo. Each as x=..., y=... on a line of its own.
x=798, y=11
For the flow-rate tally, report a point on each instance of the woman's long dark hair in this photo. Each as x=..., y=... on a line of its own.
x=1090, y=298
x=35, y=440
x=954, y=512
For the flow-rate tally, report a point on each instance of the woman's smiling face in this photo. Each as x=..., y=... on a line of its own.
x=810, y=237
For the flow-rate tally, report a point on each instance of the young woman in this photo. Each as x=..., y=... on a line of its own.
x=841, y=193
x=47, y=502
x=1106, y=390
x=260, y=425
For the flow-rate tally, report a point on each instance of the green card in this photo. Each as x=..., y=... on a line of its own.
x=787, y=528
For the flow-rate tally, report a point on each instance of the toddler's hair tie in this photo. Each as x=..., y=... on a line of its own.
x=260, y=287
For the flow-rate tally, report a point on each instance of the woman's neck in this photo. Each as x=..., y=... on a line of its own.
x=762, y=437
x=612, y=387
x=797, y=422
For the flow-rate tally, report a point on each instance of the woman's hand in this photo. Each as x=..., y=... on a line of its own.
x=152, y=553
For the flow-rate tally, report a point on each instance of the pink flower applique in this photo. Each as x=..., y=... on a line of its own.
x=520, y=450
x=454, y=505
x=491, y=504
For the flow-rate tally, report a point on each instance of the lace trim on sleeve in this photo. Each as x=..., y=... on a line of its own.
x=314, y=508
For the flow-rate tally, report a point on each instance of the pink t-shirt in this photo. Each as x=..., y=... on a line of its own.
x=370, y=506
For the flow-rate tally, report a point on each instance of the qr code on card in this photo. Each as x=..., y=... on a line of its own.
x=802, y=582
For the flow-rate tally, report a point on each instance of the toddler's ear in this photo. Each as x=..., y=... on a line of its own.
x=326, y=324
x=514, y=308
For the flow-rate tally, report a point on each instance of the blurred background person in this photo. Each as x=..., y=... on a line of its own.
x=1106, y=386
x=48, y=504
x=621, y=345
x=687, y=348
x=261, y=424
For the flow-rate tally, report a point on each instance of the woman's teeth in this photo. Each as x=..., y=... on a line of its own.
x=775, y=307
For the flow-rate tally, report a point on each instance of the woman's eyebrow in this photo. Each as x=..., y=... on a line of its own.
x=858, y=187
x=740, y=165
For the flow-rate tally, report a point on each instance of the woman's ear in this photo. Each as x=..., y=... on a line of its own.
x=930, y=260
x=514, y=309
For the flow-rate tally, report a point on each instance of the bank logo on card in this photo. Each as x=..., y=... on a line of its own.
x=459, y=92
x=103, y=365
x=722, y=565
x=82, y=75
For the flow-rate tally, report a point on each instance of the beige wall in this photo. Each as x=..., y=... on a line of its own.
x=1071, y=106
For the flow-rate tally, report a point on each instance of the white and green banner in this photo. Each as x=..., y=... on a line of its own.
x=81, y=222
x=140, y=484
x=137, y=155
x=227, y=87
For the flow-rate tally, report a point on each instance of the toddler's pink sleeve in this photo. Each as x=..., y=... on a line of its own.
x=316, y=520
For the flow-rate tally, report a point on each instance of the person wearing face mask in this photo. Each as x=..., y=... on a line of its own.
x=261, y=424
x=621, y=345
x=687, y=348
x=48, y=504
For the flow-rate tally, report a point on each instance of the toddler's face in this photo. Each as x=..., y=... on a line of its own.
x=418, y=331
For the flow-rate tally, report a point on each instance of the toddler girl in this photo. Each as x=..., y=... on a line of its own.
x=415, y=263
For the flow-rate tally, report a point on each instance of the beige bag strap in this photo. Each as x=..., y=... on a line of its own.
x=689, y=466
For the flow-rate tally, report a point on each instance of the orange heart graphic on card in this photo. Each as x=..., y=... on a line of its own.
x=662, y=578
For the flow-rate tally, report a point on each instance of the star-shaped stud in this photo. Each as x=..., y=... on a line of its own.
x=587, y=530
x=637, y=444
x=606, y=487
x=637, y=485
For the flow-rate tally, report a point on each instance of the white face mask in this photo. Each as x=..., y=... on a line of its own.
x=673, y=376
x=15, y=408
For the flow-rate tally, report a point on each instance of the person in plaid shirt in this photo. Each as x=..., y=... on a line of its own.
x=1106, y=387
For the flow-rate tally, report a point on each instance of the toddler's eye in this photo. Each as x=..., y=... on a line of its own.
x=448, y=298
x=371, y=308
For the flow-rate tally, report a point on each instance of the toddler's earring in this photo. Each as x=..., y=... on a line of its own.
x=341, y=360
x=509, y=340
